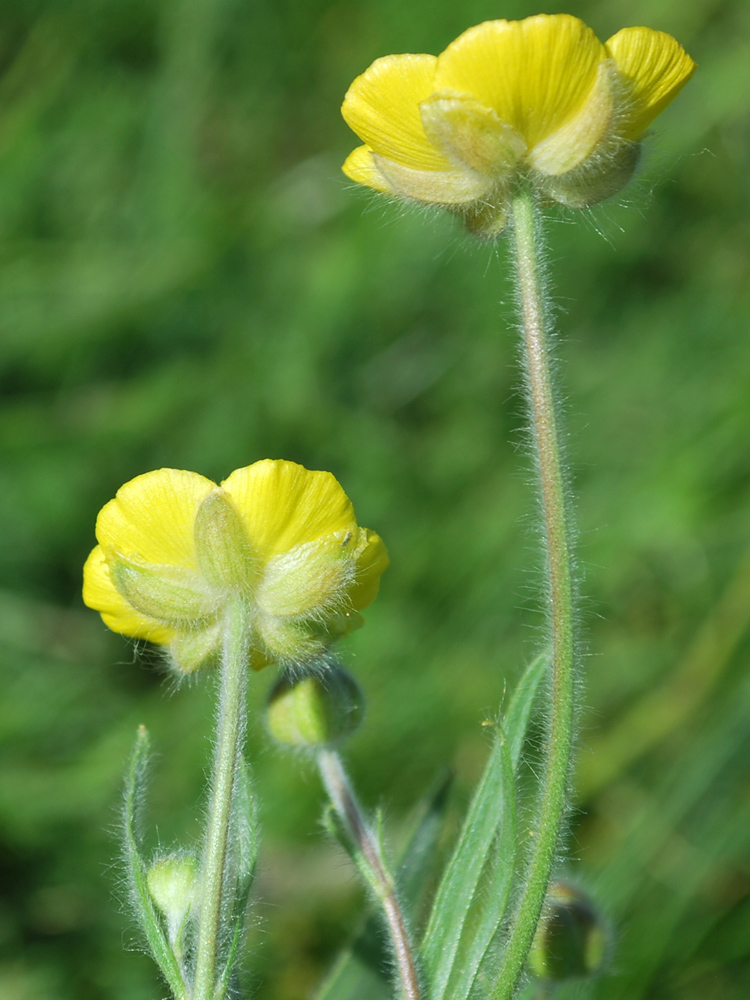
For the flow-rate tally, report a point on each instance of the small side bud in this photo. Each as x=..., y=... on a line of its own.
x=315, y=709
x=570, y=940
x=173, y=884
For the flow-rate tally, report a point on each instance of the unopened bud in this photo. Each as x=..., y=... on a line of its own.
x=570, y=940
x=315, y=709
x=173, y=882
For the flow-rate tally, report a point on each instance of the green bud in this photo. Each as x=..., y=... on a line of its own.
x=315, y=709
x=173, y=883
x=169, y=594
x=222, y=547
x=570, y=940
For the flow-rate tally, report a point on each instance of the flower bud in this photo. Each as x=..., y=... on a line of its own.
x=173, y=882
x=315, y=709
x=570, y=940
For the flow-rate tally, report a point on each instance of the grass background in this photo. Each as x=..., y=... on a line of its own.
x=186, y=279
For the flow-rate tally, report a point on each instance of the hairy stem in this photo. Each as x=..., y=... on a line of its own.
x=545, y=434
x=350, y=813
x=229, y=736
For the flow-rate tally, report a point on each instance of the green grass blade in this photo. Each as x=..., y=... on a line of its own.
x=147, y=916
x=460, y=893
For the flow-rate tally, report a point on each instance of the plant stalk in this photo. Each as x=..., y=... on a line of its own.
x=350, y=813
x=229, y=738
x=560, y=591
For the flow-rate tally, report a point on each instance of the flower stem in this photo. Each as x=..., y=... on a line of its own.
x=351, y=816
x=545, y=434
x=229, y=737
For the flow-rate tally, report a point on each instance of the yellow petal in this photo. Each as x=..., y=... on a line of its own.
x=654, y=67
x=435, y=187
x=282, y=504
x=372, y=562
x=360, y=166
x=151, y=518
x=101, y=594
x=535, y=73
x=382, y=107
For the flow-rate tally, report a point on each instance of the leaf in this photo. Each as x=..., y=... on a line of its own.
x=473, y=893
x=490, y=901
x=360, y=972
x=147, y=916
x=419, y=857
x=244, y=848
x=516, y=720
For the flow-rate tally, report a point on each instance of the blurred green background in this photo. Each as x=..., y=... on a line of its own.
x=186, y=279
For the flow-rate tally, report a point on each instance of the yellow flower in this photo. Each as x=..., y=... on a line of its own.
x=175, y=547
x=541, y=99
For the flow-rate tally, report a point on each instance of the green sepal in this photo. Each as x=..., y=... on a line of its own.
x=221, y=545
x=137, y=870
x=169, y=594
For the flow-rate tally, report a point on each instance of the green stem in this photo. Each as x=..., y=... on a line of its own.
x=545, y=434
x=350, y=813
x=229, y=736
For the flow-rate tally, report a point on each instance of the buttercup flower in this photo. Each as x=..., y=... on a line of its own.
x=174, y=548
x=541, y=99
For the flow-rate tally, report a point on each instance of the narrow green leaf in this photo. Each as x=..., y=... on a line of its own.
x=461, y=878
x=460, y=926
x=147, y=916
x=361, y=972
x=419, y=858
x=245, y=834
x=516, y=719
x=491, y=899
x=244, y=847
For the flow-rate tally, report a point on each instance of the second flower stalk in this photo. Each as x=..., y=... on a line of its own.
x=269, y=566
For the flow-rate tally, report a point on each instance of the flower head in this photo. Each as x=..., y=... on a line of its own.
x=174, y=548
x=541, y=98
